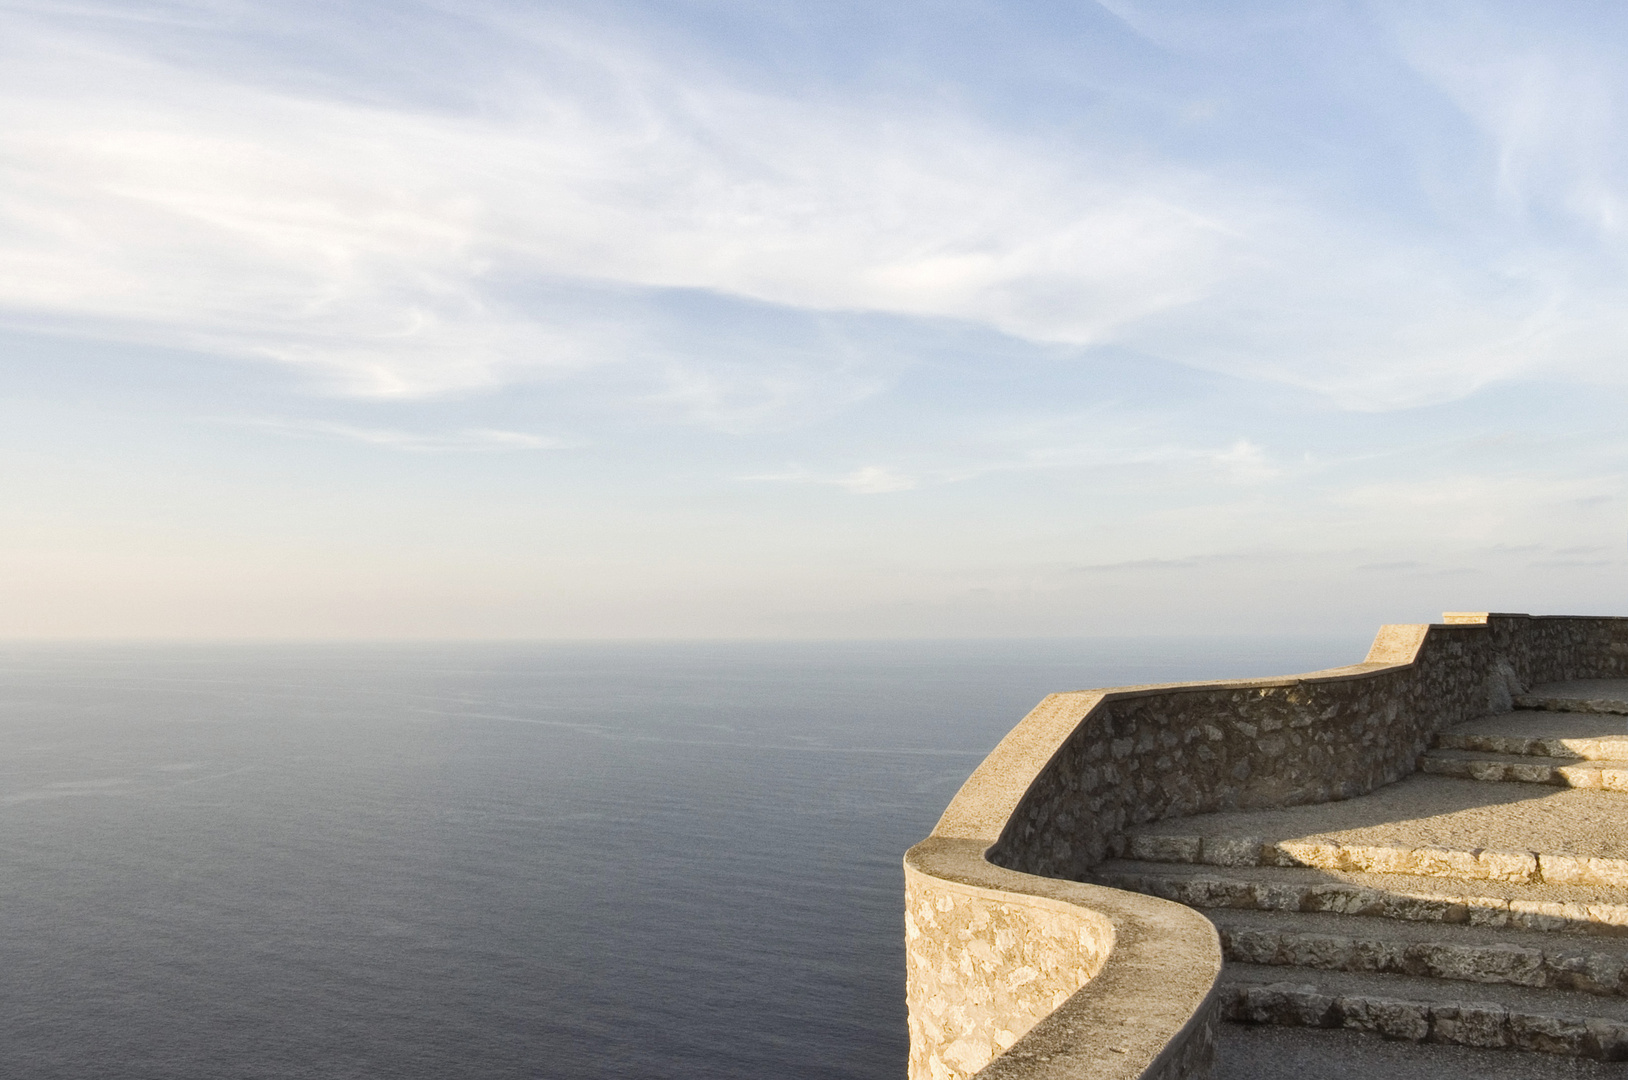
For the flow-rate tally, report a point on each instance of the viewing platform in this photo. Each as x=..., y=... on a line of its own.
x=1296, y=877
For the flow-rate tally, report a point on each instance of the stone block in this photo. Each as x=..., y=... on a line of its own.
x=1220, y=892
x=1284, y=1004
x=1340, y=899
x=1392, y=1018
x=1417, y=908
x=1378, y=956
x=1563, y=869
x=1607, y=1040
x=1532, y=773
x=1390, y=860
x=1487, y=911
x=1253, y=946
x=1233, y=851
x=1468, y=1023
x=1520, y=866
x=1325, y=951
x=1481, y=963
x=1538, y=915
x=1610, y=919
x=1170, y=849
x=1591, y=973
x=1276, y=896
x=1585, y=777
x=1481, y=769
x=1319, y=854
x=1446, y=766
x=1611, y=873
x=1549, y=1034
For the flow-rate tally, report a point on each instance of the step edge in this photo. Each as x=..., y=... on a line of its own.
x=1425, y=860
x=1462, y=1022
x=1564, y=970
x=1340, y=898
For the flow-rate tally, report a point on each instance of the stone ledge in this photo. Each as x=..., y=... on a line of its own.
x=1610, y=706
x=1603, y=974
x=1487, y=1025
x=1341, y=898
x=1526, y=867
x=1605, y=747
x=1585, y=774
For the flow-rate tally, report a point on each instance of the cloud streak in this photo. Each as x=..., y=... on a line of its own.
x=750, y=319
x=471, y=439
x=165, y=204
x=377, y=243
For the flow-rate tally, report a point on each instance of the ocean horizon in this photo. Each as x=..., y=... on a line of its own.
x=499, y=859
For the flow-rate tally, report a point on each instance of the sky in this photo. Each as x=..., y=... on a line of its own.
x=780, y=319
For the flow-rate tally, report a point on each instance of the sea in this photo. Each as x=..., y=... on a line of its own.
x=412, y=861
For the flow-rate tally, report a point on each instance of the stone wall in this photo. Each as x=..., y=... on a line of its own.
x=1140, y=754
x=990, y=968
x=1070, y=980
x=1055, y=797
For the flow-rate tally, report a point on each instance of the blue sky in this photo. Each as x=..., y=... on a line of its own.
x=720, y=319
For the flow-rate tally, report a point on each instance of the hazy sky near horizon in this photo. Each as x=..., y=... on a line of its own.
x=710, y=318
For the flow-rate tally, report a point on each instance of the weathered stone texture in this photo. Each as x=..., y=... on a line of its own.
x=1596, y=749
x=1059, y=793
x=1461, y=1023
x=1556, y=969
x=983, y=968
x=1144, y=754
x=1344, y=898
x=1528, y=867
x=1148, y=1012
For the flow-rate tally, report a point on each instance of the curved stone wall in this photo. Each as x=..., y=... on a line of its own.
x=996, y=967
x=1049, y=978
x=1015, y=970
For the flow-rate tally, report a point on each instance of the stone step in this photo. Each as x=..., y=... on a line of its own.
x=1531, y=735
x=1266, y=1052
x=1424, y=824
x=1475, y=954
x=1430, y=1010
x=1555, y=703
x=1549, y=908
x=1555, y=770
x=1603, y=696
x=1473, y=864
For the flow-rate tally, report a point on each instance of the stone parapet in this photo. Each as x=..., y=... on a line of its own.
x=1011, y=975
x=1016, y=969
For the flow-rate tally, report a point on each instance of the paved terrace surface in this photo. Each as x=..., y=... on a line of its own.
x=1479, y=906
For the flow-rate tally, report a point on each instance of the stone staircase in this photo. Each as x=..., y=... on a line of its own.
x=1481, y=902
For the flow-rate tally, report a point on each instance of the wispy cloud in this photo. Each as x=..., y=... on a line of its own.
x=378, y=243
x=1204, y=306
x=865, y=480
x=470, y=439
x=1243, y=463
x=169, y=203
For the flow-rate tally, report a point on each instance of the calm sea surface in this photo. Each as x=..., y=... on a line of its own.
x=493, y=860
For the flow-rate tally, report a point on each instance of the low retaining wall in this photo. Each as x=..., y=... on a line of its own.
x=1014, y=970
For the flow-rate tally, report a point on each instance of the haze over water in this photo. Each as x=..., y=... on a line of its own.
x=494, y=860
